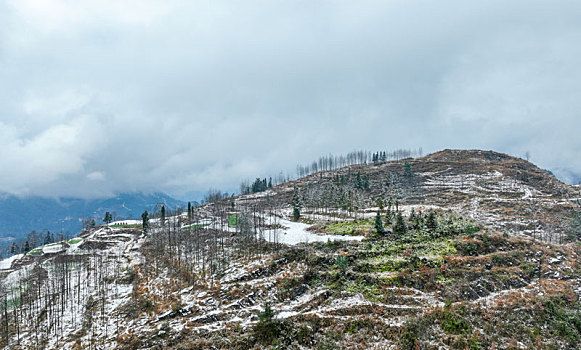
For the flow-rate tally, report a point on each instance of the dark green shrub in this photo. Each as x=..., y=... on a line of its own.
x=453, y=323
x=267, y=329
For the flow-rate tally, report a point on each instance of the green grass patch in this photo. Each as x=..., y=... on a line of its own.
x=75, y=240
x=232, y=220
x=35, y=251
x=422, y=246
x=351, y=228
x=127, y=225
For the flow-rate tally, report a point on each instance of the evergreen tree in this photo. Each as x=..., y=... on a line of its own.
x=379, y=224
x=366, y=182
x=189, y=211
x=358, y=181
x=408, y=173
x=145, y=220
x=108, y=218
x=379, y=203
x=267, y=328
x=296, y=204
x=388, y=217
x=419, y=220
x=14, y=249
x=400, y=227
x=49, y=238
x=163, y=215
x=260, y=185
x=431, y=222
x=26, y=247
x=296, y=214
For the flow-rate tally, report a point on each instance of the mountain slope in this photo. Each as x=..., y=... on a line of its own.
x=22, y=215
x=240, y=274
x=504, y=192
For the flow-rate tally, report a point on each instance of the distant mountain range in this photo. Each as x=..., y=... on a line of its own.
x=18, y=216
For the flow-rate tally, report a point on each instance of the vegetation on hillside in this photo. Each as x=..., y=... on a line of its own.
x=424, y=264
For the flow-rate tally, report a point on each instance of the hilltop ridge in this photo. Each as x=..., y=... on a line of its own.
x=505, y=192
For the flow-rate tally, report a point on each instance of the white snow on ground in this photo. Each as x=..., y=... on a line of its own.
x=53, y=248
x=296, y=233
x=7, y=263
x=528, y=193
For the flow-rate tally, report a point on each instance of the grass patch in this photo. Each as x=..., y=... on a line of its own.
x=35, y=251
x=232, y=220
x=351, y=228
x=75, y=240
x=126, y=225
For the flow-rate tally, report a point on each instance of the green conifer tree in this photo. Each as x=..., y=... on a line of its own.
x=189, y=212
x=379, y=224
x=49, y=238
x=14, y=249
x=108, y=218
x=431, y=222
x=26, y=247
x=145, y=221
x=267, y=328
x=400, y=227
x=296, y=204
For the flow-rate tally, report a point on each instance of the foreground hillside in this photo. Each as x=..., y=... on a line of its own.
x=366, y=264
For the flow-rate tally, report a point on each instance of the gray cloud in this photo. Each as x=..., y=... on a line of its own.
x=178, y=95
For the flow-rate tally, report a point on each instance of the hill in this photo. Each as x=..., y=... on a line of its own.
x=504, y=192
x=241, y=273
x=22, y=215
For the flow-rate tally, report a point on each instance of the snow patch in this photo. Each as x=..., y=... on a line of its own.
x=7, y=263
x=296, y=232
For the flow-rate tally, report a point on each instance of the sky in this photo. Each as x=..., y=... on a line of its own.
x=100, y=97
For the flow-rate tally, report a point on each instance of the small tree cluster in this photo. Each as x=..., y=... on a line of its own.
x=108, y=218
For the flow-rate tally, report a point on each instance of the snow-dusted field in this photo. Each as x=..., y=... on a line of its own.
x=296, y=232
x=5, y=264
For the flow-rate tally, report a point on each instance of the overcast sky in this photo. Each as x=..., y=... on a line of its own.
x=98, y=97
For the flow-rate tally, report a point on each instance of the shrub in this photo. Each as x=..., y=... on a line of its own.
x=453, y=323
x=267, y=329
x=341, y=263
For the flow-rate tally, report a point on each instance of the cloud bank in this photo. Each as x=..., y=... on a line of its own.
x=102, y=97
